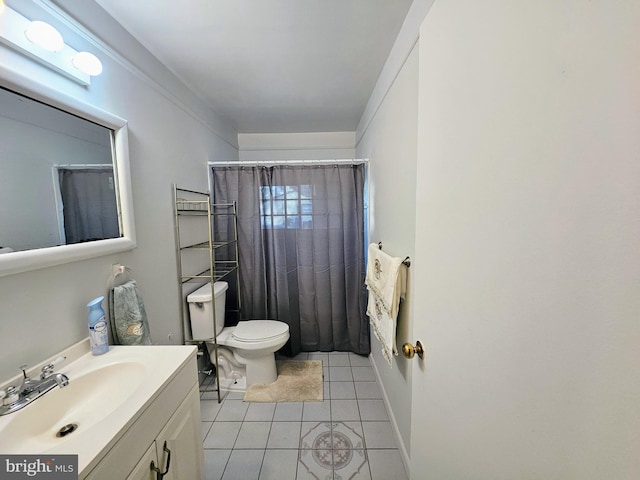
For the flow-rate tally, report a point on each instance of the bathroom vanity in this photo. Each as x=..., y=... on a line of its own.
x=132, y=413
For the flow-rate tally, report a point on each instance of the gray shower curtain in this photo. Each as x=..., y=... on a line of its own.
x=89, y=204
x=301, y=250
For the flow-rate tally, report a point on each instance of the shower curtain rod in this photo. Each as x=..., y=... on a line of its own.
x=84, y=165
x=256, y=163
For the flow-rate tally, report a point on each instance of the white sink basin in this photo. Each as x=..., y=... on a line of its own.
x=84, y=402
x=105, y=395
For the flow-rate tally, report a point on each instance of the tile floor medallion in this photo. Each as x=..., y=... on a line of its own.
x=332, y=451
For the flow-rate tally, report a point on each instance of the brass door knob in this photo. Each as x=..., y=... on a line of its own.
x=409, y=350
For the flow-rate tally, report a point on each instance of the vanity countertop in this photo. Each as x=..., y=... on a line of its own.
x=105, y=395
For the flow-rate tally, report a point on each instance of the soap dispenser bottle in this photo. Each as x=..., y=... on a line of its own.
x=98, y=333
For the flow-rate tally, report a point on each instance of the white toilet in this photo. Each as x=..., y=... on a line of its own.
x=246, y=351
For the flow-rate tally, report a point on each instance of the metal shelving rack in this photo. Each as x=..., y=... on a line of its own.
x=201, y=247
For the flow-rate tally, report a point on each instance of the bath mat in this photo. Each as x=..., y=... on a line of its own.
x=298, y=381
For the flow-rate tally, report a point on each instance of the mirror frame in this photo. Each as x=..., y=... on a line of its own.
x=24, y=261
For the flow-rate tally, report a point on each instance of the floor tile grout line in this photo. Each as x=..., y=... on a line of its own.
x=298, y=448
x=226, y=464
x=264, y=451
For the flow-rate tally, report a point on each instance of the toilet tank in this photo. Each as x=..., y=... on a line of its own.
x=200, y=313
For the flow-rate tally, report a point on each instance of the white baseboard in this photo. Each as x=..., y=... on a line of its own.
x=404, y=454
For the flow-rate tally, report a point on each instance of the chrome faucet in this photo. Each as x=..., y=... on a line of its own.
x=16, y=397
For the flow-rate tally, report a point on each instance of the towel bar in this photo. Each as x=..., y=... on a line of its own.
x=406, y=262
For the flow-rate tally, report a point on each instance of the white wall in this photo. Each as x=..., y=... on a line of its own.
x=171, y=138
x=528, y=284
x=296, y=146
x=390, y=143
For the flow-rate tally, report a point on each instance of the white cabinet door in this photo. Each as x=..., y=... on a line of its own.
x=142, y=470
x=183, y=439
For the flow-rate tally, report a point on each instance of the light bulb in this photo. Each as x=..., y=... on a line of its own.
x=87, y=63
x=45, y=36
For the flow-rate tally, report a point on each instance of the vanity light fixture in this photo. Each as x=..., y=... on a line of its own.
x=42, y=42
x=45, y=36
x=88, y=63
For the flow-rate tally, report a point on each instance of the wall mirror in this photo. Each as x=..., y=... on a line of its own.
x=65, y=190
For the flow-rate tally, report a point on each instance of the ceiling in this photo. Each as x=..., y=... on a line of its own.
x=271, y=66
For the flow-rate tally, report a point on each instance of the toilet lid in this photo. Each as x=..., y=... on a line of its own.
x=256, y=330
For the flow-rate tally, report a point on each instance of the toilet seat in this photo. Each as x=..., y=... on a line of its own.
x=259, y=330
x=251, y=345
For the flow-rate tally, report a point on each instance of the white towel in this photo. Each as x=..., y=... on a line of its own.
x=386, y=280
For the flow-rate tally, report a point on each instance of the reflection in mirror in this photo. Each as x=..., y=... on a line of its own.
x=57, y=183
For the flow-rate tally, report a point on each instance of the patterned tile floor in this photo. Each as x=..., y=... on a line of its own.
x=347, y=436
